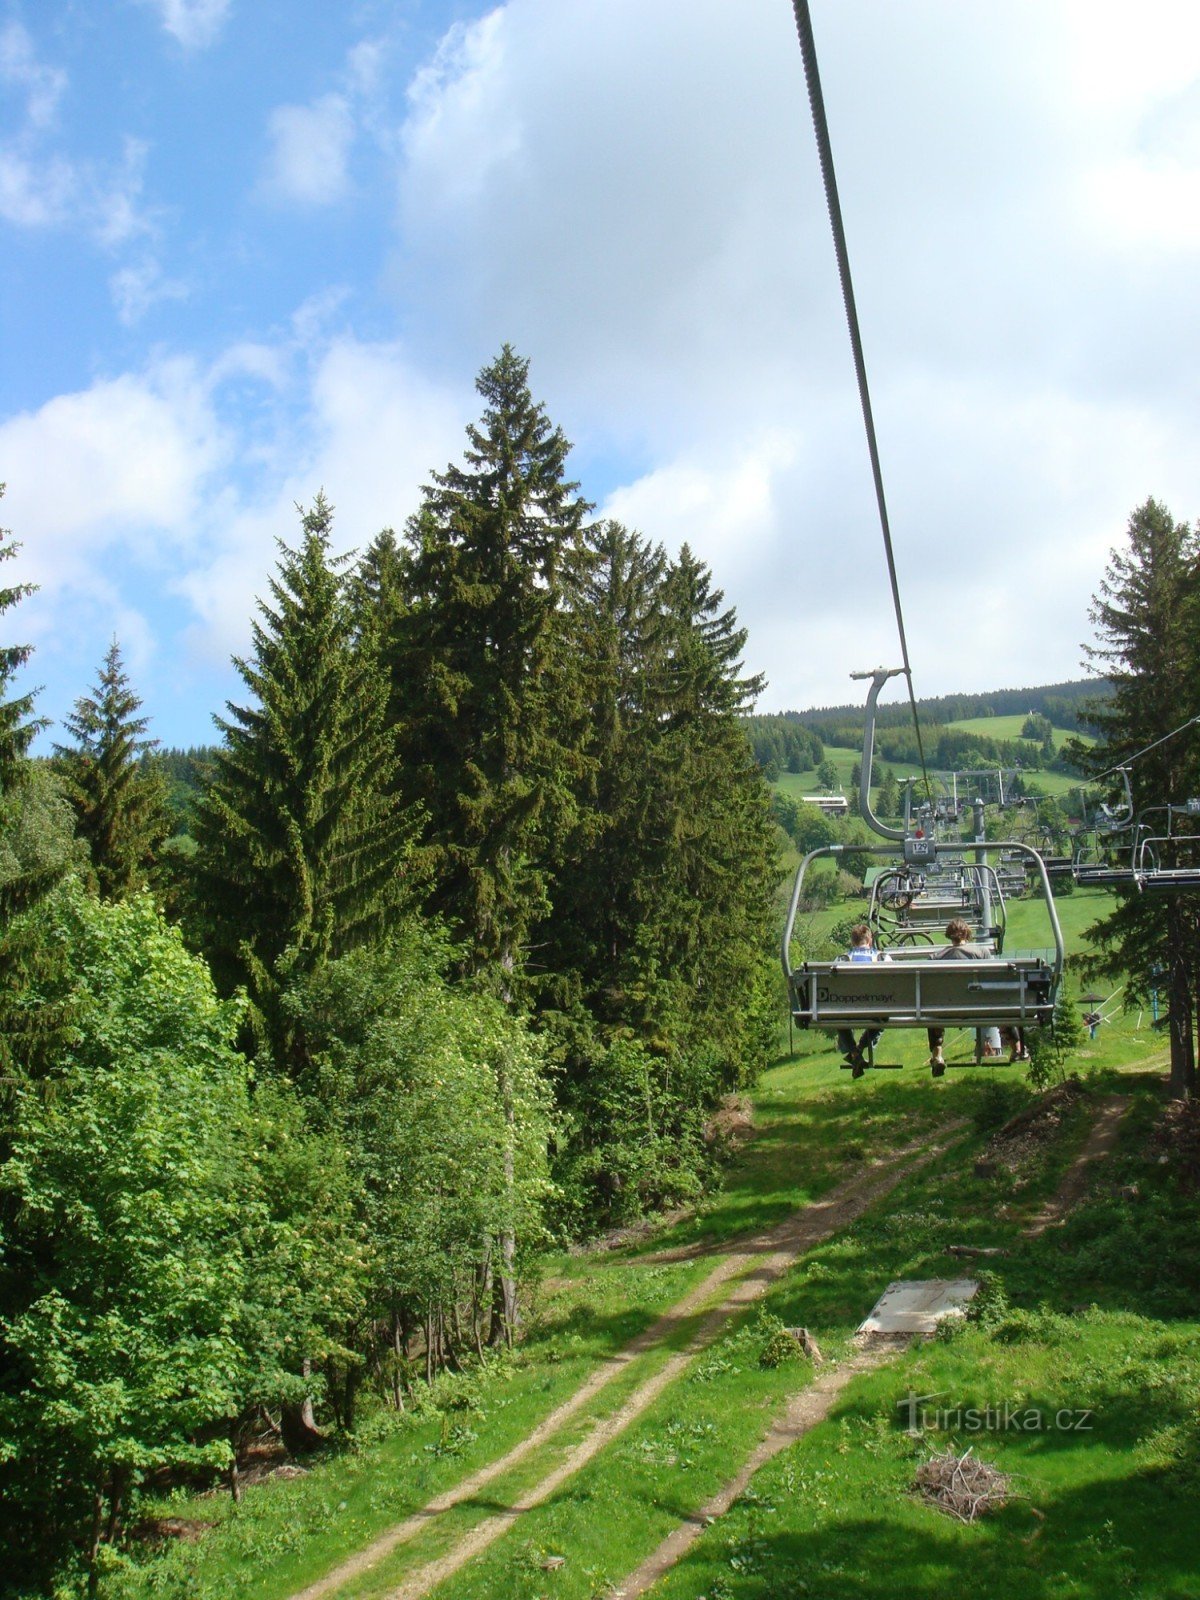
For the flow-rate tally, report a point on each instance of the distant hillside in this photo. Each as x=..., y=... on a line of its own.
x=794, y=741
x=1065, y=704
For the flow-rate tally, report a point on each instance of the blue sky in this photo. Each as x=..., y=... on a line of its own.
x=253, y=248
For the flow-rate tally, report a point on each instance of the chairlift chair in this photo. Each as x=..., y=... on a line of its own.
x=913, y=987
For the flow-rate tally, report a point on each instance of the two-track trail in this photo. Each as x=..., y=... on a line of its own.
x=749, y=1268
x=814, y=1403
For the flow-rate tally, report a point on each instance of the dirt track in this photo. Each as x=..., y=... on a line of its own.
x=1070, y=1191
x=755, y=1264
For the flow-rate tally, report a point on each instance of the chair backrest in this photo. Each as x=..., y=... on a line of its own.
x=916, y=990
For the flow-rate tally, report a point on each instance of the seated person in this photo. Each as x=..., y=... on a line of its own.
x=960, y=948
x=862, y=948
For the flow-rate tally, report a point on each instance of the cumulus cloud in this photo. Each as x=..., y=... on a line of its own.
x=310, y=148
x=372, y=429
x=42, y=85
x=169, y=477
x=120, y=464
x=194, y=24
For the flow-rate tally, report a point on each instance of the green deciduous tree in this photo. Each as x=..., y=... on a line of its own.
x=119, y=803
x=121, y=1271
x=438, y=1097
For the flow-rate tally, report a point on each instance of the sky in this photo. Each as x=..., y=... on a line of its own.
x=253, y=249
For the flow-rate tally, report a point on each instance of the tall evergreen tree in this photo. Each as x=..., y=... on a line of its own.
x=712, y=814
x=301, y=848
x=1146, y=615
x=18, y=725
x=119, y=802
x=491, y=693
x=34, y=855
x=489, y=745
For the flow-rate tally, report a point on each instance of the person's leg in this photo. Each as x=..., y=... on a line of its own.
x=845, y=1041
x=936, y=1060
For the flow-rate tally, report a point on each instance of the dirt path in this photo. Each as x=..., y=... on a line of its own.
x=813, y=1404
x=1070, y=1191
x=756, y=1263
x=804, y=1410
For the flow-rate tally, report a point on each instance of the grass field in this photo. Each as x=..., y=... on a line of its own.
x=797, y=784
x=1009, y=727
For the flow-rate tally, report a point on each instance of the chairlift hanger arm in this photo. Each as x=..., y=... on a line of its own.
x=878, y=678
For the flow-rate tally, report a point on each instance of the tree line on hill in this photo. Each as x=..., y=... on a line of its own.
x=310, y=1040
x=1064, y=705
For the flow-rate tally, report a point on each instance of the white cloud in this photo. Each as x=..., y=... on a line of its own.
x=371, y=429
x=194, y=24
x=139, y=286
x=117, y=466
x=19, y=67
x=35, y=193
x=310, y=149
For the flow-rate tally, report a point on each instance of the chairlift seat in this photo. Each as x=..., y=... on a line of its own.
x=916, y=990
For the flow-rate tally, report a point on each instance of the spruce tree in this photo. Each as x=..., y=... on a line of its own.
x=119, y=802
x=302, y=850
x=489, y=748
x=711, y=809
x=1145, y=615
x=35, y=848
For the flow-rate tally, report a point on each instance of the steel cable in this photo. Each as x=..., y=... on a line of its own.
x=821, y=128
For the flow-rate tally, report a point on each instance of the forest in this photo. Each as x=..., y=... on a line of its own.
x=463, y=940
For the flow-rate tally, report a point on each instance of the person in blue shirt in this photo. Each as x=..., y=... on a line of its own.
x=862, y=948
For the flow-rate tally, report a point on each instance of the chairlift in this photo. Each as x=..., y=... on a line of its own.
x=910, y=987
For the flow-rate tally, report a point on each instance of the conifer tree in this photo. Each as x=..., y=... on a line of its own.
x=119, y=803
x=604, y=889
x=18, y=725
x=712, y=813
x=301, y=848
x=489, y=747
x=491, y=694
x=1145, y=614
x=34, y=855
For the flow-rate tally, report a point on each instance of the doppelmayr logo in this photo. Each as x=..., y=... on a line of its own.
x=874, y=996
x=1005, y=1416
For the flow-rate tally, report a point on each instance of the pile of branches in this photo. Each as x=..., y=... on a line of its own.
x=962, y=1486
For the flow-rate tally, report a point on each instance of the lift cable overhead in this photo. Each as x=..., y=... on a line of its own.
x=817, y=102
x=1137, y=756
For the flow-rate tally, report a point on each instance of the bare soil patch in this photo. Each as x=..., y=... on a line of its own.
x=1175, y=1140
x=1075, y=1180
x=1019, y=1144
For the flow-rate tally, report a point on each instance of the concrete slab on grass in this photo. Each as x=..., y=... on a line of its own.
x=918, y=1305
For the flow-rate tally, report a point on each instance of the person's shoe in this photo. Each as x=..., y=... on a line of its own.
x=858, y=1068
x=1018, y=1055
